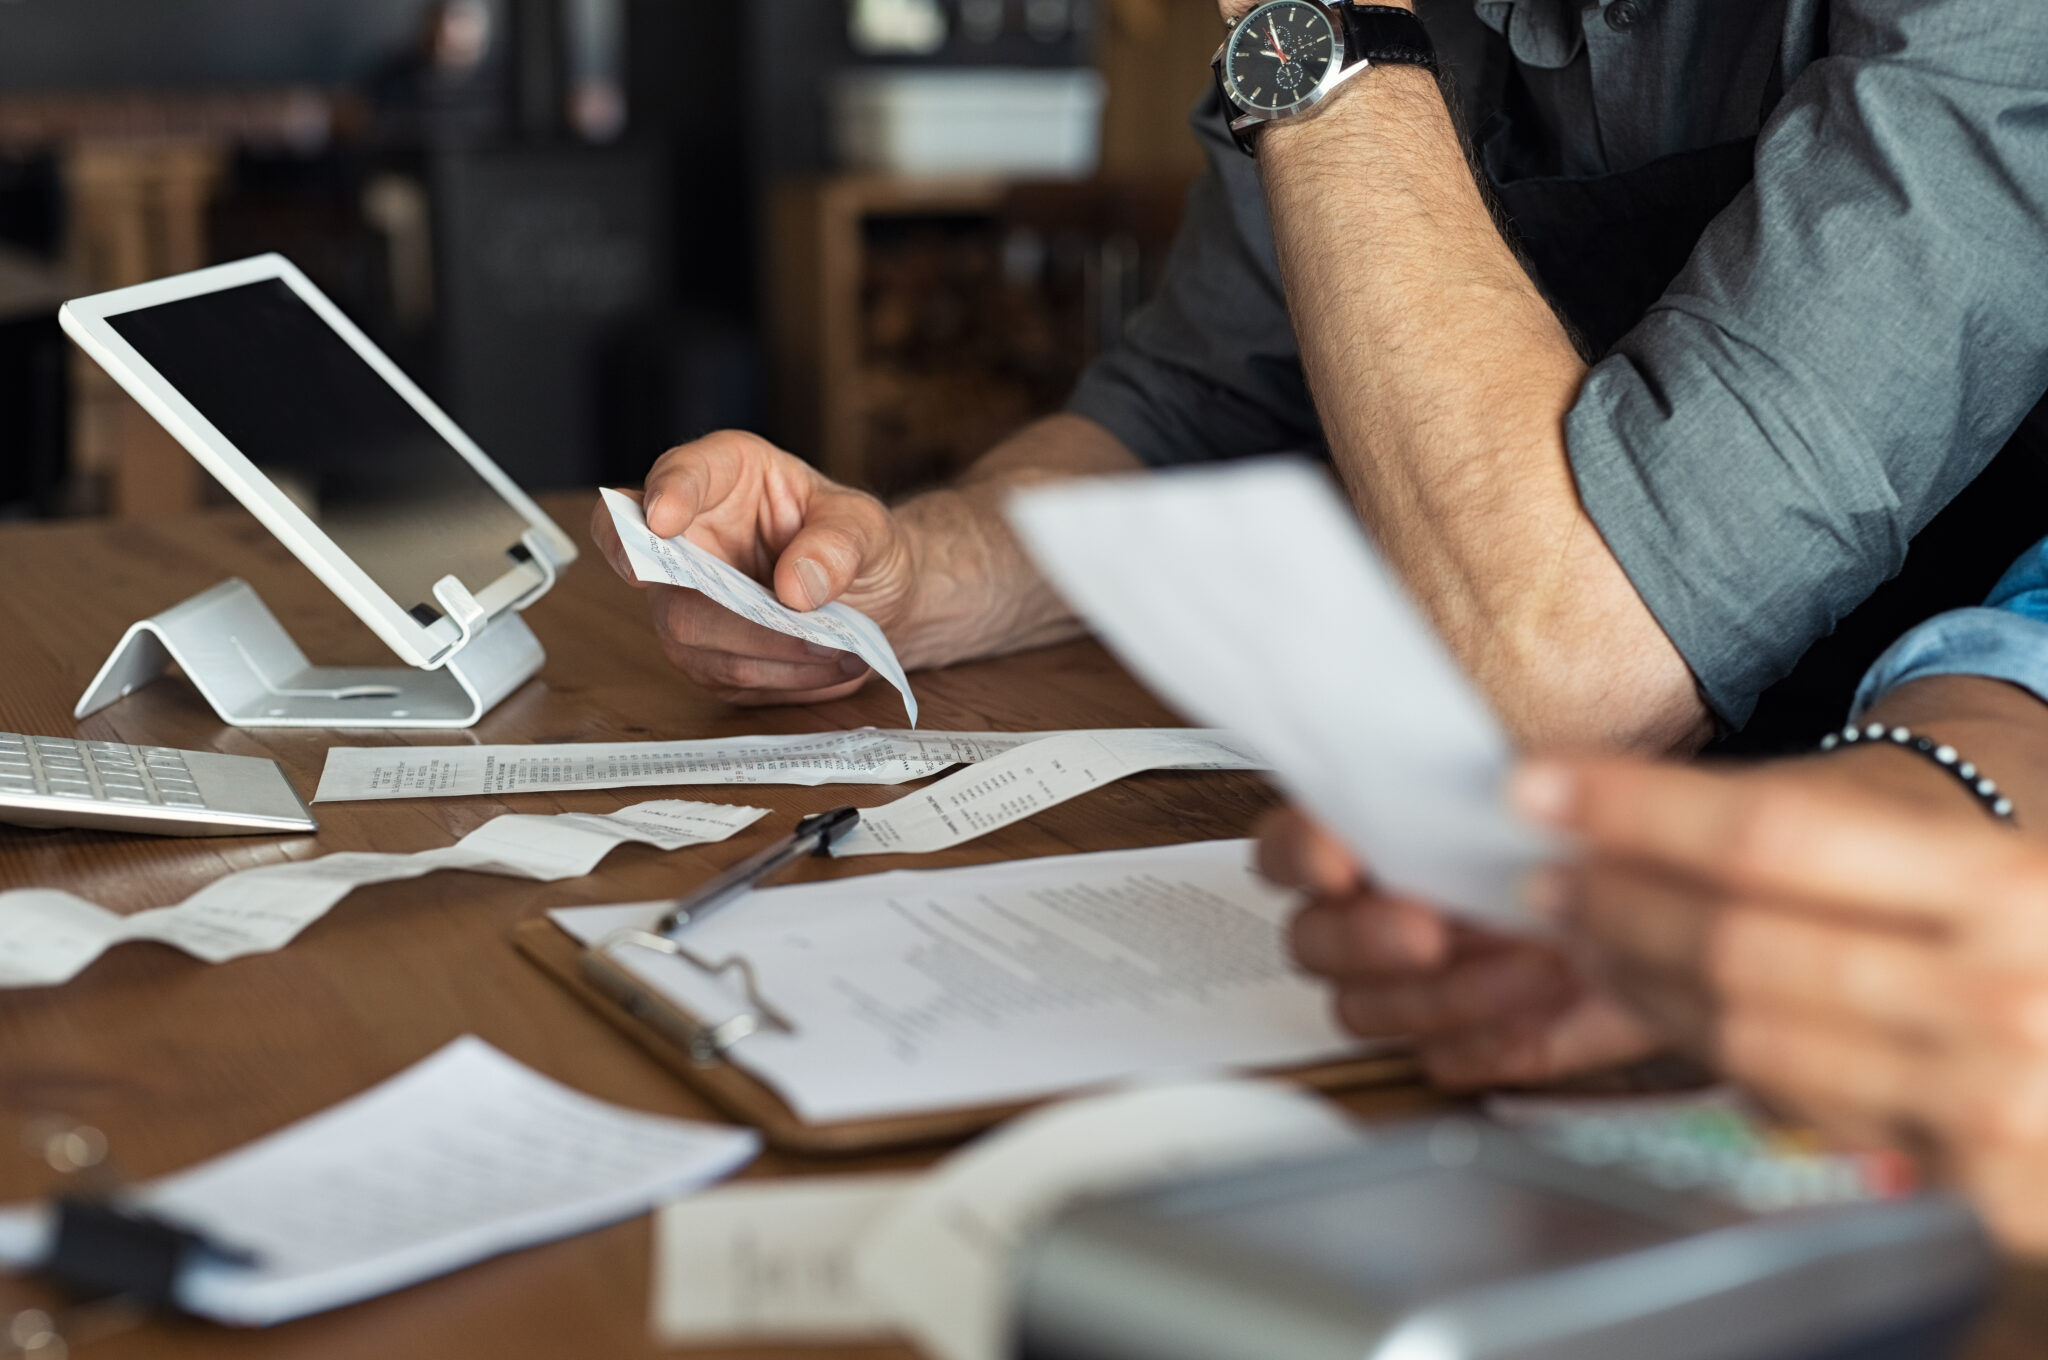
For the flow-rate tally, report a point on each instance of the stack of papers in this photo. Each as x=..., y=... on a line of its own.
x=463, y=1156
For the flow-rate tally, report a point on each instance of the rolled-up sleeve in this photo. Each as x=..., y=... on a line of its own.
x=1209, y=368
x=1851, y=342
x=2006, y=639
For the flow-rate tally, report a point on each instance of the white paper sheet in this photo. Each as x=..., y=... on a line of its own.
x=924, y=990
x=942, y=1260
x=1029, y=779
x=764, y=1261
x=463, y=1156
x=47, y=936
x=1249, y=598
x=866, y=755
x=679, y=562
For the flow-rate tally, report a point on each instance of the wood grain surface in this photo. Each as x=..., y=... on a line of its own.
x=178, y=1060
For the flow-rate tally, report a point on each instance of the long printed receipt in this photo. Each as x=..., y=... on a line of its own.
x=865, y=756
x=47, y=936
x=462, y=1156
x=933, y=989
x=679, y=562
x=1248, y=597
x=1031, y=778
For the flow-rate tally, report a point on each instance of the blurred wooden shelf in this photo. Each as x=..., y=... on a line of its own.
x=140, y=170
x=914, y=322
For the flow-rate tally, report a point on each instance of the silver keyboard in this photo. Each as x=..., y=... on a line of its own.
x=54, y=781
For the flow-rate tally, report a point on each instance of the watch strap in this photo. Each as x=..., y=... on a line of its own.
x=1386, y=34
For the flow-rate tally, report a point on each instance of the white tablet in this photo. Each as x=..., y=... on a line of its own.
x=338, y=453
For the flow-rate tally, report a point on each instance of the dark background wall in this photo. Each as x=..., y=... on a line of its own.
x=164, y=44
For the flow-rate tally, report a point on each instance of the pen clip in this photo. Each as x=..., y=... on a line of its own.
x=829, y=827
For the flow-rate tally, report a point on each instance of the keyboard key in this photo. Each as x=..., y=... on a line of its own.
x=183, y=800
x=124, y=796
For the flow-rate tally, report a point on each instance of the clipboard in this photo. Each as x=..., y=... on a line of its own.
x=697, y=1053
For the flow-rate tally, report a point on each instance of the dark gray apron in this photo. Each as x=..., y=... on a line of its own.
x=1604, y=249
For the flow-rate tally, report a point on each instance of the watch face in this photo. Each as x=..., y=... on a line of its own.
x=1278, y=54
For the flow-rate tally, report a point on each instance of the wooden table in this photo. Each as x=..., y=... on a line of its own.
x=177, y=1060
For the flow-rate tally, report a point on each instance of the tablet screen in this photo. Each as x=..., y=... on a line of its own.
x=315, y=418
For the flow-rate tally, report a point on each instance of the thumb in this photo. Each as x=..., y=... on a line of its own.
x=844, y=534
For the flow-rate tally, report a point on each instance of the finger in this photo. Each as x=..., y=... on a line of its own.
x=726, y=673
x=846, y=538
x=1827, y=1070
x=1678, y=1005
x=605, y=535
x=1667, y=939
x=1591, y=1035
x=1486, y=991
x=1975, y=1097
x=1647, y=918
x=691, y=478
x=1368, y=937
x=1856, y=976
x=1772, y=838
x=2010, y=1190
x=749, y=698
x=1295, y=852
x=687, y=621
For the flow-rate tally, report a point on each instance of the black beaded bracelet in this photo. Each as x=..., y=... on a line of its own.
x=1980, y=785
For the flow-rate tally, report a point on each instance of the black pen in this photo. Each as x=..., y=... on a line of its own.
x=814, y=835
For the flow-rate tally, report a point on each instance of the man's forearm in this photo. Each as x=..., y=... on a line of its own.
x=977, y=593
x=1443, y=379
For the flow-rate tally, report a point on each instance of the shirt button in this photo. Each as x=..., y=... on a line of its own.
x=1624, y=15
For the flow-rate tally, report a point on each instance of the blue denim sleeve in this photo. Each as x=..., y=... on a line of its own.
x=2006, y=639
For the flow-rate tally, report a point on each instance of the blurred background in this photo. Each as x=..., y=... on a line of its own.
x=884, y=232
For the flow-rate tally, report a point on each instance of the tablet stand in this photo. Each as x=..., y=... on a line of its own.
x=233, y=649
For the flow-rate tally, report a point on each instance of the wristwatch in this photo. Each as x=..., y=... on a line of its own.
x=1285, y=57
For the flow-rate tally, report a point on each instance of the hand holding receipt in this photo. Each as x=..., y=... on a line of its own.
x=679, y=562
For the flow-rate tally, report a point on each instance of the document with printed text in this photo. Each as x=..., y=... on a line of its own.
x=1249, y=597
x=465, y=1155
x=679, y=562
x=921, y=990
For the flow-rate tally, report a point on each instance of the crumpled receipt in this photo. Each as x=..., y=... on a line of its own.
x=48, y=936
x=679, y=562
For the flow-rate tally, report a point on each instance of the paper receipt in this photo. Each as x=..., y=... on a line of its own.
x=1031, y=778
x=679, y=562
x=47, y=936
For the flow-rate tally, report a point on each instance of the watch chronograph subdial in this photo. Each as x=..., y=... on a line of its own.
x=1278, y=55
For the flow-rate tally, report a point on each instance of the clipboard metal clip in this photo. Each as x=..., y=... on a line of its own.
x=707, y=1044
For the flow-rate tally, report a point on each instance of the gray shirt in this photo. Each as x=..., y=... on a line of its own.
x=1851, y=342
